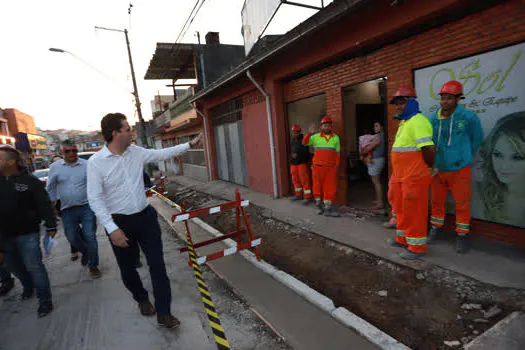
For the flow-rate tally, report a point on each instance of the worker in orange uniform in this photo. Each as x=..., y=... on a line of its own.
x=404, y=92
x=412, y=158
x=300, y=156
x=457, y=135
x=327, y=148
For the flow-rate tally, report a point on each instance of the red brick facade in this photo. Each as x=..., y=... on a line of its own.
x=498, y=26
x=19, y=121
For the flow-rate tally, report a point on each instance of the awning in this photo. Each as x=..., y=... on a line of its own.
x=172, y=61
x=185, y=124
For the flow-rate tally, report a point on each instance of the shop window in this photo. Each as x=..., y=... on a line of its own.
x=194, y=156
x=306, y=111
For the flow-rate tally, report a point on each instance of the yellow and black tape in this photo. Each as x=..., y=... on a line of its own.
x=213, y=317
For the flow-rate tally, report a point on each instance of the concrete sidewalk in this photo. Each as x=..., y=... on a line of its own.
x=303, y=325
x=488, y=261
x=101, y=314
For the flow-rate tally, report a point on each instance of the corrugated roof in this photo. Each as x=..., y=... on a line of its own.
x=172, y=61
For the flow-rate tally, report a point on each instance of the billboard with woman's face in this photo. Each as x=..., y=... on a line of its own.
x=494, y=85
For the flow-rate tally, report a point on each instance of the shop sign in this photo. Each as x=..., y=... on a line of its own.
x=493, y=85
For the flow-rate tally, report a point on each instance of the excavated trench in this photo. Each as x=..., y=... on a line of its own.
x=421, y=309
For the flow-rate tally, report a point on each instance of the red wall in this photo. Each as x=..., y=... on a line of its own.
x=19, y=122
x=257, y=142
x=498, y=26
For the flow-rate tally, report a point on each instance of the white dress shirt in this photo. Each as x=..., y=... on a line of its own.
x=115, y=183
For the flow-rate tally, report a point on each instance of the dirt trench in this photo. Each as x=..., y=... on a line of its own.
x=420, y=309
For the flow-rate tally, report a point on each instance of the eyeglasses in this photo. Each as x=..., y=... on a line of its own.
x=71, y=151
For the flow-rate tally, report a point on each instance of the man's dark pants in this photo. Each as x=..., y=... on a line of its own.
x=85, y=238
x=142, y=229
x=24, y=260
x=5, y=276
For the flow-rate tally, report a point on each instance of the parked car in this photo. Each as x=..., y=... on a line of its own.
x=86, y=155
x=42, y=175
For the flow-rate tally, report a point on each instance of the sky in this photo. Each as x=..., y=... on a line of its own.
x=75, y=90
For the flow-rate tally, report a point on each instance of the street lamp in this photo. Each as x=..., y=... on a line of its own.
x=54, y=49
x=57, y=50
x=135, y=89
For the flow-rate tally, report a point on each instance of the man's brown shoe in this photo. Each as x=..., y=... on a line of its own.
x=95, y=272
x=169, y=321
x=146, y=308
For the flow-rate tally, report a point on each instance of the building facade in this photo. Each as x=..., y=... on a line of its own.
x=345, y=62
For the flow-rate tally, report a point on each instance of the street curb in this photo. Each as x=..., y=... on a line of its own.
x=305, y=291
x=490, y=337
x=344, y=316
x=367, y=330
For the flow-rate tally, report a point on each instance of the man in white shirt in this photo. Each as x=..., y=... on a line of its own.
x=116, y=195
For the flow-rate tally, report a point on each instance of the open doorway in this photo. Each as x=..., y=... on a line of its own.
x=363, y=105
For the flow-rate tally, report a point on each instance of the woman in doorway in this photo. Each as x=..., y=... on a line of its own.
x=376, y=166
x=501, y=190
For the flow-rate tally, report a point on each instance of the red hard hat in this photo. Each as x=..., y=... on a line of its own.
x=326, y=120
x=403, y=91
x=296, y=128
x=453, y=87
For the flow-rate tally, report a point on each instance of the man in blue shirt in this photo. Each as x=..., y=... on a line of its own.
x=67, y=180
x=457, y=134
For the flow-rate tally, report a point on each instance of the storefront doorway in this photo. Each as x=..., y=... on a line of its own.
x=229, y=142
x=363, y=105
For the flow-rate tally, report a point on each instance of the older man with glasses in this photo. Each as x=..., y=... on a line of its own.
x=67, y=180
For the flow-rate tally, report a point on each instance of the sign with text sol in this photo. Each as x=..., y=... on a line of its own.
x=493, y=84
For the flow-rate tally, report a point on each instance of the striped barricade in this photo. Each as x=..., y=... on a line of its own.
x=239, y=206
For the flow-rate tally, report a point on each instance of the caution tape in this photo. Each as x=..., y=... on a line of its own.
x=164, y=198
x=213, y=317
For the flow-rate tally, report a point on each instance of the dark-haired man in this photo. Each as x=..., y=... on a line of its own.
x=20, y=218
x=116, y=195
x=67, y=180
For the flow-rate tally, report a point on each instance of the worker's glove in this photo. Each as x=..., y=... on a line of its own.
x=51, y=232
x=434, y=172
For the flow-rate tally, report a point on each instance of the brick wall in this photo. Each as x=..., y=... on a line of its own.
x=19, y=121
x=496, y=27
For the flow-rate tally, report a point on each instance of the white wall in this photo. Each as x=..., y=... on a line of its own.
x=364, y=93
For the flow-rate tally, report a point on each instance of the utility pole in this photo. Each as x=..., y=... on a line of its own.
x=135, y=89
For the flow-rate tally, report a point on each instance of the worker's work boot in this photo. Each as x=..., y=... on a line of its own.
x=392, y=242
x=392, y=223
x=409, y=255
x=307, y=201
x=329, y=211
x=433, y=234
x=462, y=244
x=296, y=198
x=319, y=206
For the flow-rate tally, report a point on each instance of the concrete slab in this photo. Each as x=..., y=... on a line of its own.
x=301, y=324
x=100, y=314
x=505, y=335
x=488, y=262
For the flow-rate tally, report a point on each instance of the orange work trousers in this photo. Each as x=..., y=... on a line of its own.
x=325, y=183
x=458, y=182
x=410, y=202
x=391, y=195
x=301, y=180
